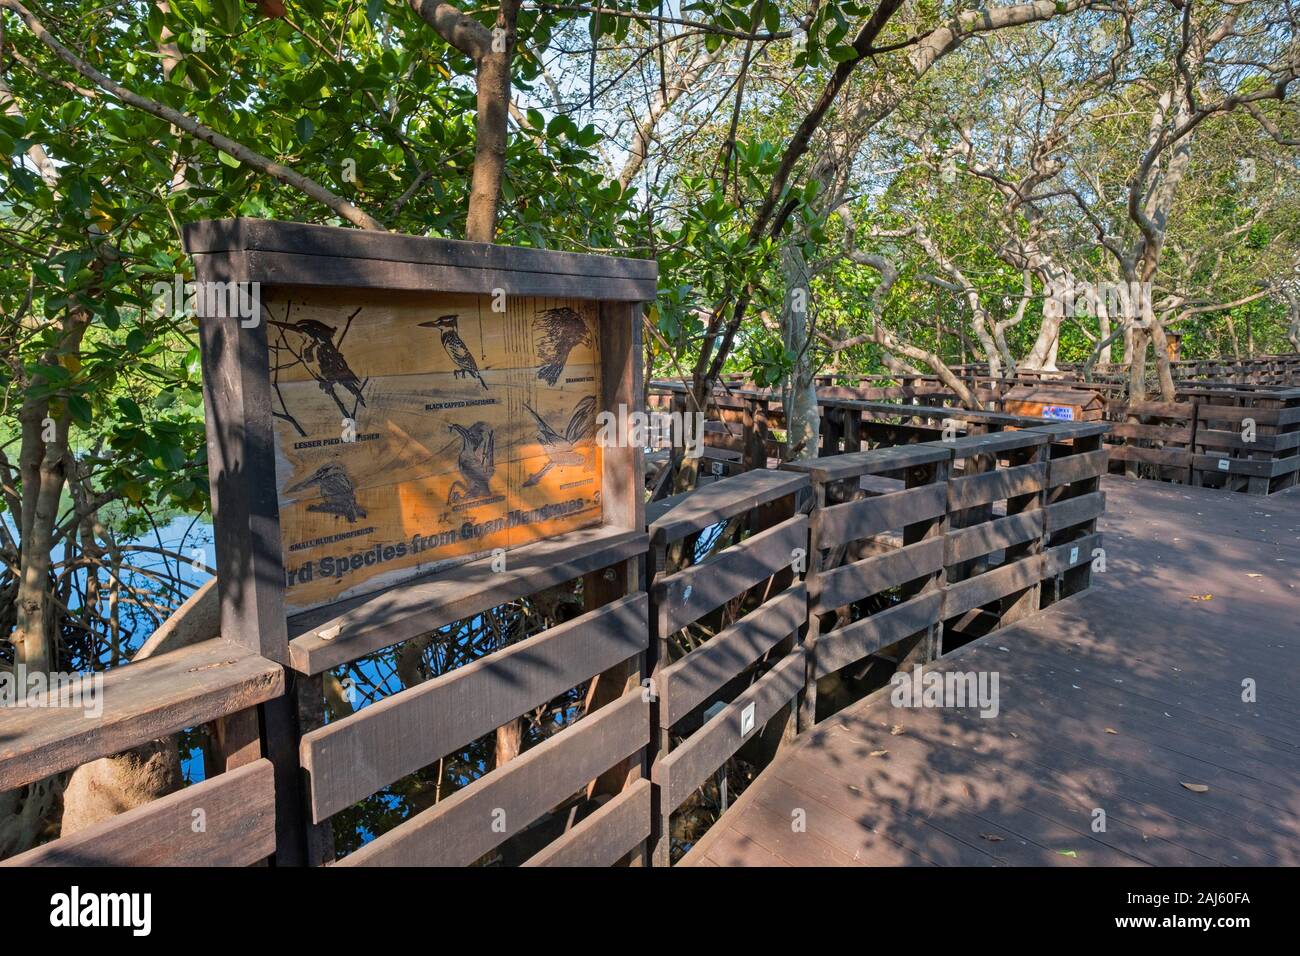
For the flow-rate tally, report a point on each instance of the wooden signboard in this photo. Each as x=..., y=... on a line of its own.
x=1057, y=404
x=398, y=406
x=476, y=433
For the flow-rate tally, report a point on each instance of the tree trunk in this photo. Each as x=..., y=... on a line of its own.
x=1042, y=357
x=802, y=422
x=490, y=129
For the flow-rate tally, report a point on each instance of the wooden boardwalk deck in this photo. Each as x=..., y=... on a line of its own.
x=1114, y=700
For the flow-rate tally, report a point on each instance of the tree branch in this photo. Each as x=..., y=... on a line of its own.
x=187, y=124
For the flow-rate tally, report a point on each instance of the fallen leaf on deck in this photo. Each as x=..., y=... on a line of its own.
x=896, y=730
x=1201, y=597
x=992, y=837
x=1254, y=575
x=878, y=753
x=1070, y=853
x=1111, y=730
x=1195, y=787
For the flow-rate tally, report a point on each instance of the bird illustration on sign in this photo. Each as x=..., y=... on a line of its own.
x=335, y=487
x=558, y=332
x=315, y=349
x=456, y=347
x=476, y=462
x=562, y=450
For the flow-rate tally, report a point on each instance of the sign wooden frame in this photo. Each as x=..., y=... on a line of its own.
x=327, y=267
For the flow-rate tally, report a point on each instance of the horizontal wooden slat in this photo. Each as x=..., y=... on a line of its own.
x=1261, y=416
x=1180, y=434
x=689, y=594
x=981, y=489
x=1072, y=511
x=724, y=499
x=1211, y=438
x=214, y=236
x=1072, y=468
x=343, y=632
x=684, y=684
x=460, y=829
x=991, y=585
x=852, y=642
x=1172, y=457
x=864, y=517
x=1058, y=557
x=141, y=701
x=861, y=579
x=998, y=443
x=606, y=836
x=1068, y=431
x=354, y=757
x=986, y=537
x=238, y=813
x=1175, y=410
x=350, y=272
x=689, y=765
x=1258, y=468
x=878, y=461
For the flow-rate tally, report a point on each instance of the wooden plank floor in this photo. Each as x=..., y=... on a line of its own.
x=1112, y=701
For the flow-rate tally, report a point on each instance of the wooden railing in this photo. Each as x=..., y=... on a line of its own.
x=1246, y=439
x=727, y=607
x=349, y=759
x=705, y=642
x=1198, y=439
x=226, y=820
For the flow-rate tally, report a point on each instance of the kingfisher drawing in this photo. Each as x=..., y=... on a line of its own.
x=334, y=485
x=476, y=462
x=557, y=332
x=456, y=347
x=324, y=359
x=562, y=450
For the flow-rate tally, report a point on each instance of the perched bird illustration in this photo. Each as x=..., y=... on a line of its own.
x=562, y=449
x=477, y=462
x=336, y=488
x=456, y=347
x=324, y=360
x=557, y=333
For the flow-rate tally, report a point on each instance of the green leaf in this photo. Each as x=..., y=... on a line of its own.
x=80, y=409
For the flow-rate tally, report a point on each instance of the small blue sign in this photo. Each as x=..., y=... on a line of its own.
x=1062, y=413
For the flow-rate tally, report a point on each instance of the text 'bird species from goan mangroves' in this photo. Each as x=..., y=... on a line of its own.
x=476, y=462
x=556, y=333
x=456, y=347
x=334, y=485
x=323, y=359
x=560, y=449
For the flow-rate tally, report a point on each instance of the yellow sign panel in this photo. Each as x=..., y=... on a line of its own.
x=415, y=432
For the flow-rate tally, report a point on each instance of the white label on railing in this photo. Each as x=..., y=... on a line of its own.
x=1223, y=464
x=1074, y=555
x=747, y=719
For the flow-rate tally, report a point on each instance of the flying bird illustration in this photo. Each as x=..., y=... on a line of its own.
x=557, y=332
x=562, y=449
x=477, y=462
x=324, y=361
x=336, y=488
x=456, y=347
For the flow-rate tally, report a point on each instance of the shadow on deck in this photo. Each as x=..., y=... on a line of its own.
x=1123, y=706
